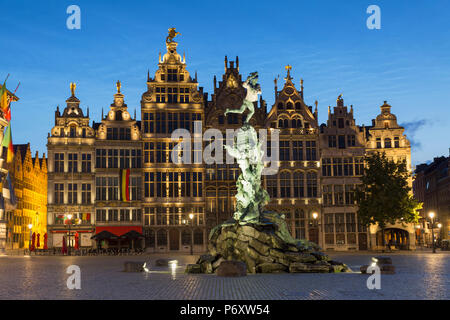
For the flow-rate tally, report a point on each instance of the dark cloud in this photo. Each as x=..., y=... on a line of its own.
x=411, y=129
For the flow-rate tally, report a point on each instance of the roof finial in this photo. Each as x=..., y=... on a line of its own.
x=237, y=63
x=73, y=86
x=148, y=75
x=288, y=69
x=118, y=85
x=226, y=63
x=172, y=34
x=102, y=113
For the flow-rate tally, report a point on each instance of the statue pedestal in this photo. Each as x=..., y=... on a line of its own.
x=265, y=247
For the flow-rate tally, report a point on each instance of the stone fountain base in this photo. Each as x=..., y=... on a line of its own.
x=265, y=247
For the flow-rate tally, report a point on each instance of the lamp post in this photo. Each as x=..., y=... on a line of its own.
x=315, y=224
x=431, y=215
x=30, y=226
x=191, y=218
x=69, y=216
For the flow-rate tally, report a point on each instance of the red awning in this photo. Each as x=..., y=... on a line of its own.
x=119, y=230
x=71, y=230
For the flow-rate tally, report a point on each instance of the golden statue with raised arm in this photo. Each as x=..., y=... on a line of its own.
x=172, y=35
x=73, y=86
x=118, y=85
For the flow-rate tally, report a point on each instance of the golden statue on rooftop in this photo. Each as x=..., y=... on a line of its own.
x=172, y=35
x=73, y=86
x=118, y=85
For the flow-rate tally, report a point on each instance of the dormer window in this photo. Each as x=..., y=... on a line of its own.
x=289, y=106
x=171, y=75
x=72, y=131
x=387, y=143
x=298, y=106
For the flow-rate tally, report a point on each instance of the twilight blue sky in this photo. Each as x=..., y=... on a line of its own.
x=327, y=43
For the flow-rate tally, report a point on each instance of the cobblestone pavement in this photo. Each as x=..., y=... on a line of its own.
x=419, y=276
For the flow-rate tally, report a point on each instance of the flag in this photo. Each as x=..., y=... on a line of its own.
x=7, y=142
x=9, y=194
x=124, y=180
x=3, y=93
x=4, y=103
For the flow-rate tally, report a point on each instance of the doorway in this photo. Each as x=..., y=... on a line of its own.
x=174, y=236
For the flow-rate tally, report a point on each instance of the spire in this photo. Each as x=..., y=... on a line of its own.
x=195, y=75
x=148, y=75
x=134, y=113
x=215, y=81
x=102, y=113
x=118, y=85
x=184, y=57
x=88, y=112
x=237, y=63
x=275, y=81
x=288, y=69
x=301, y=87
x=226, y=63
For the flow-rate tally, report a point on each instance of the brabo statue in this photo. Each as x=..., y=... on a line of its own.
x=247, y=150
x=258, y=238
x=253, y=89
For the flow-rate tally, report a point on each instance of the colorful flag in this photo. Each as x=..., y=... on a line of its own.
x=9, y=194
x=7, y=142
x=124, y=179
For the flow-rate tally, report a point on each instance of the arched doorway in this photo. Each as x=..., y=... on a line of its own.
x=394, y=238
x=174, y=238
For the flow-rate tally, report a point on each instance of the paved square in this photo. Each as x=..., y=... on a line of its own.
x=419, y=276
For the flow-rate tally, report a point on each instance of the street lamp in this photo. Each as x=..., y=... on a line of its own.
x=69, y=216
x=30, y=226
x=431, y=215
x=191, y=217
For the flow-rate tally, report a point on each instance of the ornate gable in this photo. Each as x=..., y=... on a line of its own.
x=289, y=105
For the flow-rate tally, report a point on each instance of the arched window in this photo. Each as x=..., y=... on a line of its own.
x=285, y=184
x=280, y=123
x=72, y=131
x=149, y=235
x=198, y=236
x=286, y=123
x=161, y=236
x=280, y=106
x=299, y=184
x=271, y=185
x=289, y=106
x=311, y=185
x=186, y=237
x=387, y=143
x=298, y=105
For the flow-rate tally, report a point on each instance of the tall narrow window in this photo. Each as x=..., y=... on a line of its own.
x=297, y=150
x=59, y=162
x=86, y=162
x=299, y=184
x=311, y=150
x=285, y=184
x=73, y=162
x=312, y=185
x=72, y=193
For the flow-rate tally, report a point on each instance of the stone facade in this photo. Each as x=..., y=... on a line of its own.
x=178, y=205
x=432, y=187
x=29, y=178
